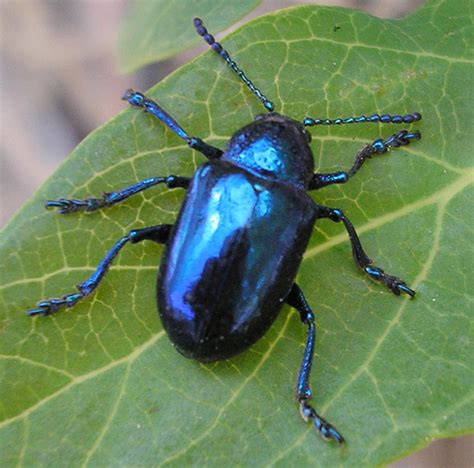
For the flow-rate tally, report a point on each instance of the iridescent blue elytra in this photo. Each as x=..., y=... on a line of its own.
x=232, y=256
x=232, y=285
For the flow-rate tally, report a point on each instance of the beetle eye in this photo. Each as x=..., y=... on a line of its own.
x=259, y=117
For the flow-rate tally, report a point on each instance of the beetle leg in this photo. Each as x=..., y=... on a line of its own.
x=297, y=300
x=159, y=234
x=65, y=205
x=379, y=146
x=137, y=99
x=396, y=285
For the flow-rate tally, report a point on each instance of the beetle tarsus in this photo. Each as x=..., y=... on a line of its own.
x=50, y=306
x=326, y=430
x=89, y=204
x=362, y=260
x=404, y=288
x=159, y=234
x=396, y=285
x=65, y=205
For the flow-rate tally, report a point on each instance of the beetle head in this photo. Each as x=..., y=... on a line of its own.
x=275, y=117
x=273, y=146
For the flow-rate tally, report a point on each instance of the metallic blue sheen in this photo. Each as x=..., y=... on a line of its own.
x=137, y=99
x=412, y=135
x=274, y=147
x=302, y=385
x=115, y=197
x=222, y=279
x=386, y=118
x=378, y=145
x=373, y=272
x=232, y=257
x=334, y=178
x=152, y=108
x=91, y=283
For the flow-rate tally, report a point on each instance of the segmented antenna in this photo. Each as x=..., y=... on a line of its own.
x=385, y=118
x=216, y=47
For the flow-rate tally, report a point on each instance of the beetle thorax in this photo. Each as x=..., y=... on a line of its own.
x=273, y=146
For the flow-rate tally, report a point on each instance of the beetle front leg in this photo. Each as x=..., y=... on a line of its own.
x=71, y=205
x=379, y=146
x=138, y=99
x=297, y=300
x=159, y=234
x=396, y=285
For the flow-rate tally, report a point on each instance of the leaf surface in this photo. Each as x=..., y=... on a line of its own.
x=159, y=29
x=101, y=383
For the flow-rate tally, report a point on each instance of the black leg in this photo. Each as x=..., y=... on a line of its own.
x=379, y=146
x=137, y=99
x=158, y=234
x=65, y=205
x=396, y=285
x=297, y=300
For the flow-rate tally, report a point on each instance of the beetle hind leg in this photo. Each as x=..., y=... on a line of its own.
x=326, y=430
x=159, y=234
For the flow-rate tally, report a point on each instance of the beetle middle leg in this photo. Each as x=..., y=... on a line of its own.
x=71, y=205
x=297, y=300
x=379, y=146
x=159, y=234
x=396, y=285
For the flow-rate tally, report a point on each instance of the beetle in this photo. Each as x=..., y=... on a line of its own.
x=232, y=256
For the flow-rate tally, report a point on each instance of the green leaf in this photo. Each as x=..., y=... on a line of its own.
x=159, y=29
x=102, y=384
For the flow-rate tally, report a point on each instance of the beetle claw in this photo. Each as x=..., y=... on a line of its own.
x=50, y=306
x=326, y=430
x=396, y=285
x=38, y=311
x=44, y=308
x=64, y=205
x=402, y=287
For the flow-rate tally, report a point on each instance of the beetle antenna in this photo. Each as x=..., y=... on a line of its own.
x=384, y=118
x=216, y=47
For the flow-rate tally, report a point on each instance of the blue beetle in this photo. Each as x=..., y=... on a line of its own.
x=231, y=258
